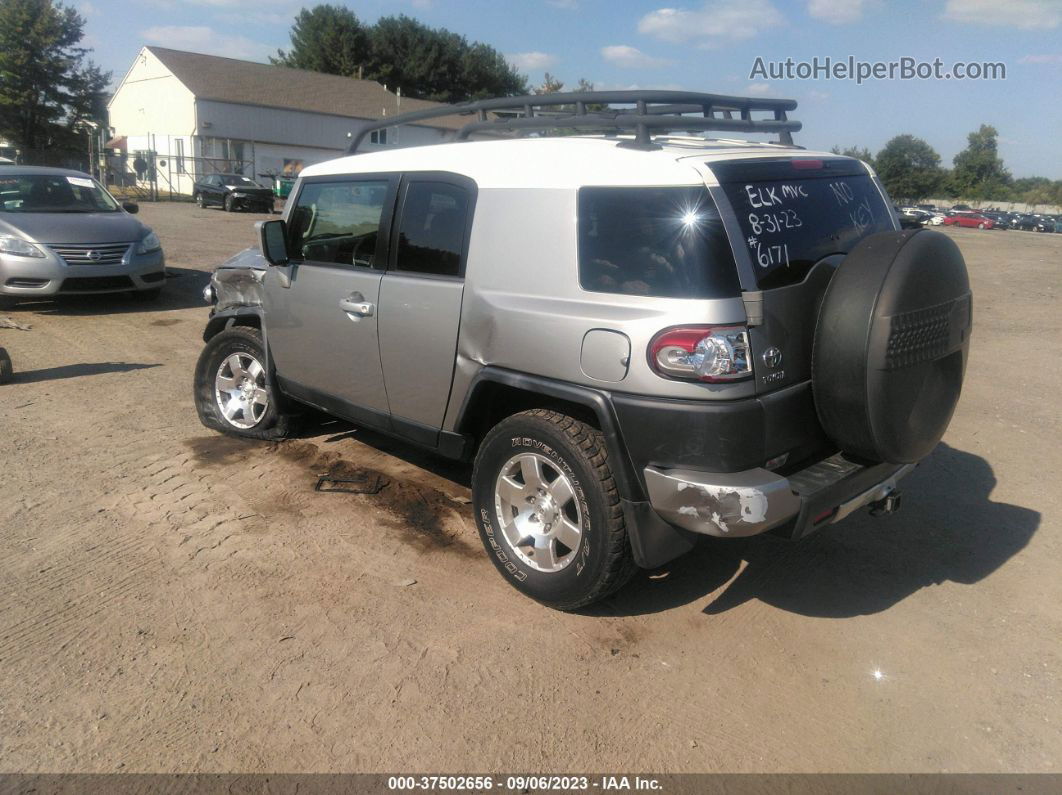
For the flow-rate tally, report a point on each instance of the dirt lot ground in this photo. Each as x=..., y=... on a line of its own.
x=171, y=600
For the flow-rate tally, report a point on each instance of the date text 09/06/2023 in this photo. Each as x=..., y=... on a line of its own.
x=525, y=783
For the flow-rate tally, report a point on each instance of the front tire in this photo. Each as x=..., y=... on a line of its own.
x=200, y=201
x=230, y=204
x=548, y=510
x=232, y=391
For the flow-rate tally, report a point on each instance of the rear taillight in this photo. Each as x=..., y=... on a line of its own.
x=702, y=353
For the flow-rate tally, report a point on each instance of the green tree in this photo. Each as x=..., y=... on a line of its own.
x=329, y=39
x=856, y=152
x=979, y=171
x=47, y=87
x=550, y=85
x=908, y=167
x=401, y=53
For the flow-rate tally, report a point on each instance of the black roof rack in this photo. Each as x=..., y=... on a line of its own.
x=658, y=111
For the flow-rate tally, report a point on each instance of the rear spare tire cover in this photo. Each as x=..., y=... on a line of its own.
x=890, y=346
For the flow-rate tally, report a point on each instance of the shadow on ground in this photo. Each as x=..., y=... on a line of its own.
x=77, y=370
x=184, y=289
x=948, y=530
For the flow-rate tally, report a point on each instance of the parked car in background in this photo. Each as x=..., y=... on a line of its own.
x=1000, y=220
x=62, y=233
x=970, y=219
x=1024, y=222
x=961, y=208
x=232, y=192
x=1044, y=223
x=907, y=219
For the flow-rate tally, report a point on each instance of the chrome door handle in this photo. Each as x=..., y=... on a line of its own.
x=359, y=308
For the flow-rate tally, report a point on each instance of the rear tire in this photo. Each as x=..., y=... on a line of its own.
x=232, y=391
x=7, y=372
x=565, y=542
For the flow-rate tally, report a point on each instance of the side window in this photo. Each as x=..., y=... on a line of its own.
x=338, y=222
x=432, y=230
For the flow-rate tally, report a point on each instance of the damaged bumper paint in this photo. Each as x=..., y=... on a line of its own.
x=738, y=504
x=238, y=281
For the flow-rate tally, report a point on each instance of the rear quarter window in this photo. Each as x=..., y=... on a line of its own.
x=794, y=212
x=662, y=242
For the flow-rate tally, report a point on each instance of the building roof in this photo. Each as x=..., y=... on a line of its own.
x=248, y=83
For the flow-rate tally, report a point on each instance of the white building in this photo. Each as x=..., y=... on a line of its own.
x=190, y=115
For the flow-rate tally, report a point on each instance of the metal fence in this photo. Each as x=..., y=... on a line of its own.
x=151, y=176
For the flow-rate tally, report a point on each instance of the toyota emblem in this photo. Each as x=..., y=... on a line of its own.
x=772, y=357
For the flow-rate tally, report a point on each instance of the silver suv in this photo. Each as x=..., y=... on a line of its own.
x=638, y=337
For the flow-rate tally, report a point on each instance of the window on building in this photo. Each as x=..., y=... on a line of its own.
x=180, y=156
x=432, y=230
x=378, y=137
x=338, y=222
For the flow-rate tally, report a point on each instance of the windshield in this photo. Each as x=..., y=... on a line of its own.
x=239, y=181
x=47, y=193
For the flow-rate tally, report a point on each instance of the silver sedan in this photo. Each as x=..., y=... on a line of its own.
x=62, y=233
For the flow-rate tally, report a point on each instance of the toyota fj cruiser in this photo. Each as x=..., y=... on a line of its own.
x=639, y=334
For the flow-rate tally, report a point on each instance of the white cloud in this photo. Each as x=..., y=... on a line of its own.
x=87, y=9
x=423, y=3
x=837, y=12
x=715, y=21
x=1040, y=59
x=531, y=61
x=200, y=38
x=819, y=96
x=759, y=89
x=1024, y=14
x=637, y=86
x=625, y=55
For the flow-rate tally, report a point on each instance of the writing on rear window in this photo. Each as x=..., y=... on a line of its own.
x=789, y=225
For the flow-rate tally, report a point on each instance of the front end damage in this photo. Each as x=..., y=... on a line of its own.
x=738, y=504
x=237, y=282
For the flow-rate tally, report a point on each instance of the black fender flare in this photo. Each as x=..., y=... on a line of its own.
x=653, y=541
x=219, y=321
x=236, y=316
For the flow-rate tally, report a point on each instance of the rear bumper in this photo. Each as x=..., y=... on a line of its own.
x=737, y=504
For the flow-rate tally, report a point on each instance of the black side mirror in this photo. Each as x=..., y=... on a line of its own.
x=131, y=207
x=273, y=240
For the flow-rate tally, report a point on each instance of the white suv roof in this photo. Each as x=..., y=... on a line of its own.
x=561, y=162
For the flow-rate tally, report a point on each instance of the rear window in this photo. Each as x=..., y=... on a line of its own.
x=661, y=242
x=794, y=212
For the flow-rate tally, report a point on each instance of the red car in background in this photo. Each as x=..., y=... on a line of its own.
x=969, y=219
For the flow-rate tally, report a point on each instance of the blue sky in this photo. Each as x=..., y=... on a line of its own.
x=705, y=46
